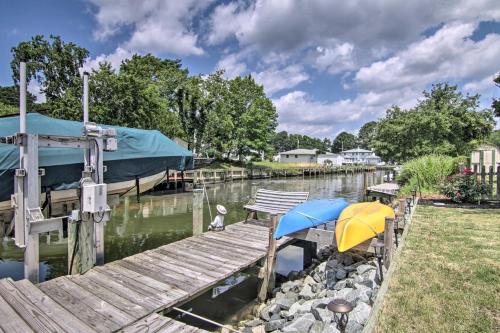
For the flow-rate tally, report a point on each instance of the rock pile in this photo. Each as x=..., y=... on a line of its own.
x=299, y=305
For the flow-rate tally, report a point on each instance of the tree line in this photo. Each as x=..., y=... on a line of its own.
x=212, y=114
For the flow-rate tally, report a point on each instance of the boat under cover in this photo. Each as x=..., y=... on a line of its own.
x=141, y=153
x=309, y=214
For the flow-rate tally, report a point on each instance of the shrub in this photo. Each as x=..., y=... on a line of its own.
x=464, y=187
x=428, y=171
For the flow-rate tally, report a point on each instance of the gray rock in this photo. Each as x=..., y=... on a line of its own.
x=286, y=300
x=332, y=264
x=309, y=280
x=318, y=276
x=331, y=278
x=293, y=275
x=322, y=293
x=353, y=327
x=321, y=302
x=306, y=293
x=268, y=311
x=361, y=293
x=323, y=315
x=317, y=287
x=360, y=313
x=254, y=322
x=350, y=268
x=332, y=328
x=363, y=268
x=368, y=278
x=291, y=286
x=342, y=294
x=301, y=324
x=317, y=327
x=340, y=274
x=275, y=325
x=299, y=308
x=346, y=283
x=348, y=260
x=275, y=316
x=321, y=268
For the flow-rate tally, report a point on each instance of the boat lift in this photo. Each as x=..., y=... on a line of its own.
x=88, y=221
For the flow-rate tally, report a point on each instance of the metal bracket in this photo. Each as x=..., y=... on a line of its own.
x=46, y=225
x=41, y=172
x=20, y=173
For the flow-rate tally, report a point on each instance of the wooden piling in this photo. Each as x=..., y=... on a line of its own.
x=268, y=276
x=197, y=211
x=388, y=241
x=83, y=259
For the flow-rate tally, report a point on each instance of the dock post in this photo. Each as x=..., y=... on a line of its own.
x=365, y=183
x=374, y=178
x=268, y=278
x=83, y=258
x=137, y=189
x=388, y=241
x=198, y=211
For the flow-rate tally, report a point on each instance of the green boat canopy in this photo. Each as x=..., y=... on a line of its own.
x=140, y=153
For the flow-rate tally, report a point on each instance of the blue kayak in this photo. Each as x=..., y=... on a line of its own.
x=310, y=214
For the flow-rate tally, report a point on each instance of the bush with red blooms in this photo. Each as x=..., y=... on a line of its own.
x=464, y=187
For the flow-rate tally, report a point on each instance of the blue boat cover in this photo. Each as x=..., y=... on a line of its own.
x=140, y=153
x=310, y=214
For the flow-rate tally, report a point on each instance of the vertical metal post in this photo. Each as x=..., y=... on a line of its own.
x=85, y=97
x=198, y=211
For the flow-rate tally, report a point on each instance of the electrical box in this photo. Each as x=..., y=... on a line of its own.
x=94, y=198
x=110, y=144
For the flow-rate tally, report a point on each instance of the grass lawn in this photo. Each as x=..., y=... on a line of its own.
x=448, y=275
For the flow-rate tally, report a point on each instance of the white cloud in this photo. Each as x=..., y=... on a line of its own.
x=35, y=88
x=232, y=64
x=157, y=25
x=300, y=113
x=335, y=59
x=449, y=54
x=275, y=80
x=115, y=59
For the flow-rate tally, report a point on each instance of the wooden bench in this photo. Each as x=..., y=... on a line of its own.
x=274, y=202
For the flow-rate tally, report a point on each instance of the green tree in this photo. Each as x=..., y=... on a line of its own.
x=444, y=122
x=344, y=141
x=367, y=134
x=6, y=109
x=53, y=63
x=496, y=101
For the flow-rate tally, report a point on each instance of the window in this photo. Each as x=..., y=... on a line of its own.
x=287, y=156
x=296, y=156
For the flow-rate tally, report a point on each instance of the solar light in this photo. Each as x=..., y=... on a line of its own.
x=408, y=204
x=379, y=252
x=340, y=309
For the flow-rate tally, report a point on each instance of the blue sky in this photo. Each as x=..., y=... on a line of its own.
x=327, y=65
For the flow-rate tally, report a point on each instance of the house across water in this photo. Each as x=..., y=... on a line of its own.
x=360, y=156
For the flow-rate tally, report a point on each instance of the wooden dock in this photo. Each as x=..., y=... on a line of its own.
x=126, y=295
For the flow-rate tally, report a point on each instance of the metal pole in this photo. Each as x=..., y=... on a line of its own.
x=85, y=97
x=22, y=98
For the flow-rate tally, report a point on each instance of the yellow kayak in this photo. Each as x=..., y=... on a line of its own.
x=360, y=222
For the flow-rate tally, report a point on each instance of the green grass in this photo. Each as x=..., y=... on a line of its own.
x=448, y=275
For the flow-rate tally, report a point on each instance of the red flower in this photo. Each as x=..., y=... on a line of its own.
x=468, y=171
x=458, y=194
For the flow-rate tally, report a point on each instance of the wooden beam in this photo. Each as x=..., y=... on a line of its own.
x=268, y=278
x=388, y=241
x=321, y=236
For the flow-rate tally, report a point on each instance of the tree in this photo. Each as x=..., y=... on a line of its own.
x=367, y=134
x=53, y=63
x=9, y=96
x=496, y=101
x=344, y=141
x=444, y=122
x=6, y=109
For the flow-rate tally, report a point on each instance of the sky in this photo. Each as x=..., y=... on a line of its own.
x=329, y=66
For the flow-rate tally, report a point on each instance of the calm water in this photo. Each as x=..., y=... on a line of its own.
x=164, y=218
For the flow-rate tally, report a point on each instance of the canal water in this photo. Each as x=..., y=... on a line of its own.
x=162, y=218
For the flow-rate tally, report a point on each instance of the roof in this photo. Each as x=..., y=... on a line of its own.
x=300, y=152
x=140, y=153
x=328, y=154
x=357, y=150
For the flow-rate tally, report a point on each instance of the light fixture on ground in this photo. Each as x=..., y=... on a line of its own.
x=379, y=252
x=340, y=309
x=408, y=204
x=414, y=195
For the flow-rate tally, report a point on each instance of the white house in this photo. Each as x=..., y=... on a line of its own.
x=335, y=159
x=487, y=155
x=299, y=156
x=360, y=156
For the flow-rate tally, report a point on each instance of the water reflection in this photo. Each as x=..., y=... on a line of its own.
x=161, y=219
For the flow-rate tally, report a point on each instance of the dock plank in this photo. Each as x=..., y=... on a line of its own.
x=52, y=309
x=10, y=321
x=150, y=324
x=30, y=313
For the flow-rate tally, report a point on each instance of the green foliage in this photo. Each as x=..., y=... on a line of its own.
x=367, y=134
x=494, y=138
x=464, y=187
x=496, y=101
x=53, y=63
x=283, y=141
x=6, y=109
x=427, y=172
x=444, y=122
x=344, y=141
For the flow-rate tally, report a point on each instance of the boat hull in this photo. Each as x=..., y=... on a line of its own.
x=309, y=214
x=360, y=222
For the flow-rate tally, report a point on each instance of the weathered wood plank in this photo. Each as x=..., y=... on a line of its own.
x=123, y=304
x=10, y=321
x=217, y=236
x=126, y=290
x=228, y=252
x=182, y=266
x=30, y=313
x=51, y=308
x=205, y=259
x=238, y=248
x=150, y=324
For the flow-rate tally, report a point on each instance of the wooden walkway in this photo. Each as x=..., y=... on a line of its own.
x=126, y=294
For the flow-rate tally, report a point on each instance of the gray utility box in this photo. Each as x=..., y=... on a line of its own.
x=94, y=198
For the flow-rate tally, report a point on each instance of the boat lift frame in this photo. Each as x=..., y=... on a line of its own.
x=29, y=220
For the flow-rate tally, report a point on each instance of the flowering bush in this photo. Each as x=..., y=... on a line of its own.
x=464, y=187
